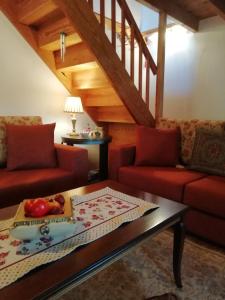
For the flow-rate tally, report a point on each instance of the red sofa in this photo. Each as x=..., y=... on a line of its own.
x=71, y=170
x=205, y=194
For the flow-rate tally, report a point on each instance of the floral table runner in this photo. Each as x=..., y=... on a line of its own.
x=96, y=214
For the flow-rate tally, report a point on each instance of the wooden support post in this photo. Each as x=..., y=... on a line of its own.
x=160, y=65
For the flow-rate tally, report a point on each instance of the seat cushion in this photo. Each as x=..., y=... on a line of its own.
x=207, y=226
x=207, y=194
x=30, y=146
x=18, y=185
x=165, y=182
x=157, y=147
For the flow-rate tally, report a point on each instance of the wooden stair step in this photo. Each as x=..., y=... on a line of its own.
x=90, y=78
x=101, y=101
x=100, y=97
x=49, y=34
x=31, y=11
x=75, y=55
x=83, y=67
x=114, y=114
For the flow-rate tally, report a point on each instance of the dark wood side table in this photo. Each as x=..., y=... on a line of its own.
x=103, y=150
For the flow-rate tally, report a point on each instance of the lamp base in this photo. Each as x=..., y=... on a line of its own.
x=73, y=134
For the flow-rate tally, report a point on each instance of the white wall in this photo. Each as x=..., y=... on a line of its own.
x=195, y=73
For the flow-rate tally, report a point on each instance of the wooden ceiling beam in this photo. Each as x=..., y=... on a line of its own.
x=219, y=6
x=30, y=11
x=175, y=11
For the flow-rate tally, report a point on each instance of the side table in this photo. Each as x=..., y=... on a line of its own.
x=103, y=150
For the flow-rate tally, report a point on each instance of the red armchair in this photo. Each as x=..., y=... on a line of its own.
x=71, y=172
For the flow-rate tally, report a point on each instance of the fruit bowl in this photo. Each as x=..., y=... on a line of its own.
x=28, y=227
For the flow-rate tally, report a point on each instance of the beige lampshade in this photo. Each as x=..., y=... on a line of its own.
x=73, y=105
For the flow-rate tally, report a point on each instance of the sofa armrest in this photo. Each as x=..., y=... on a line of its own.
x=120, y=156
x=73, y=159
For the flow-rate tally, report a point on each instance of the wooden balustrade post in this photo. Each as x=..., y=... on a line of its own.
x=132, y=53
x=90, y=2
x=113, y=27
x=102, y=14
x=140, y=69
x=123, y=41
x=160, y=65
x=147, y=89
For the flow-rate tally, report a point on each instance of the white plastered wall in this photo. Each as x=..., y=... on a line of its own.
x=195, y=73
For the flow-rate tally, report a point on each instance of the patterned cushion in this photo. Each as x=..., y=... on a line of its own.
x=17, y=120
x=188, y=129
x=209, y=152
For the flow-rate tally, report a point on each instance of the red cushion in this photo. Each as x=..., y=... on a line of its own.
x=207, y=194
x=17, y=185
x=204, y=225
x=157, y=147
x=165, y=182
x=30, y=146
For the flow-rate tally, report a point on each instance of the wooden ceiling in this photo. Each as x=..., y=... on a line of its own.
x=189, y=12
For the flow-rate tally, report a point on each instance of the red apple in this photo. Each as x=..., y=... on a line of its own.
x=39, y=208
x=28, y=206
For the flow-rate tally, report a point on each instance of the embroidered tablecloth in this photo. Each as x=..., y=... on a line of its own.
x=96, y=214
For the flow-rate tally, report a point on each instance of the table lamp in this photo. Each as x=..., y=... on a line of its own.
x=73, y=105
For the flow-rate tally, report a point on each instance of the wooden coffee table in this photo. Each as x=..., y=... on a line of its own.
x=58, y=277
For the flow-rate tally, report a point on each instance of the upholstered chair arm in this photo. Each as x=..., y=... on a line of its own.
x=73, y=159
x=120, y=156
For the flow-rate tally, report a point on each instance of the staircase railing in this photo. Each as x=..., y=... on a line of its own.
x=129, y=31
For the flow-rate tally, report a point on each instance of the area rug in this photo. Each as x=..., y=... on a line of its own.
x=146, y=271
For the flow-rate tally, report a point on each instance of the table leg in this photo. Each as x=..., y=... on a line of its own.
x=103, y=161
x=178, y=245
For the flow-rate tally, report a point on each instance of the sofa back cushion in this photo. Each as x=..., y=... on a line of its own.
x=17, y=120
x=30, y=146
x=188, y=129
x=157, y=147
x=209, y=152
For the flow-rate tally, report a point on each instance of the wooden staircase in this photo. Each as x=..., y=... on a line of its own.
x=91, y=68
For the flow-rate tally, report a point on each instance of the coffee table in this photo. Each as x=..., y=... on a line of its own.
x=58, y=277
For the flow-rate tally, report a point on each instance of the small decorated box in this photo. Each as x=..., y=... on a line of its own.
x=53, y=224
